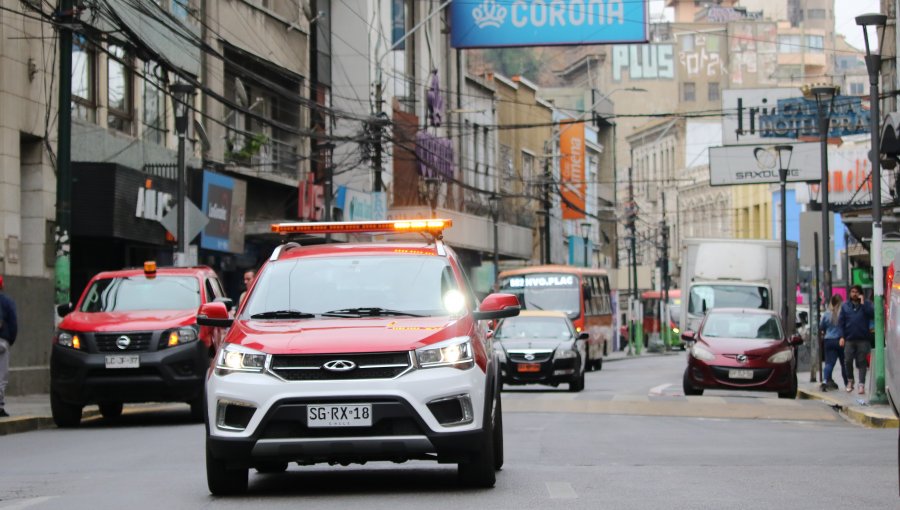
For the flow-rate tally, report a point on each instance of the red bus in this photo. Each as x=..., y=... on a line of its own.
x=583, y=293
x=650, y=301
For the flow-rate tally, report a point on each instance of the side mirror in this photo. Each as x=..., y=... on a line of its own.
x=689, y=336
x=229, y=303
x=65, y=309
x=497, y=306
x=214, y=314
x=795, y=340
x=584, y=335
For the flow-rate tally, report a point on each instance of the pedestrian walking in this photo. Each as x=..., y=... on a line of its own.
x=248, y=279
x=9, y=327
x=854, y=323
x=834, y=350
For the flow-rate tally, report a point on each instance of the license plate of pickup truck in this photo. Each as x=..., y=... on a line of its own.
x=339, y=415
x=740, y=374
x=123, y=361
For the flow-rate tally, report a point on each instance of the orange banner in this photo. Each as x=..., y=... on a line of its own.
x=571, y=171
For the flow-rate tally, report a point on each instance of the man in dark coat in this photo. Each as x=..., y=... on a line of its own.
x=9, y=327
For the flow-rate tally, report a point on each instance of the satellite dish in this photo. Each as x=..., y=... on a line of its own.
x=201, y=132
x=240, y=91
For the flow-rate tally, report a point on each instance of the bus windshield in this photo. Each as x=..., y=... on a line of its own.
x=727, y=296
x=546, y=291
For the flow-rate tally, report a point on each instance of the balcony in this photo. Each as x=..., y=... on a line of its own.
x=262, y=153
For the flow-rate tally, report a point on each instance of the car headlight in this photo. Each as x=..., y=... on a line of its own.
x=702, y=354
x=456, y=352
x=565, y=354
x=676, y=330
x=782, y=356
x=179, y=336
x=237, y=358
x=66, y=339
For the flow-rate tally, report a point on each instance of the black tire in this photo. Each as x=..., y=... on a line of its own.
x=110, y=410
x=577, y=383
x=272, y=467
x=498, y=434
x=791, y=392
x=689, y=389
x=479, y=470
x=222, y=480
x=65, y=415
x=198, y=409
x=598, y=364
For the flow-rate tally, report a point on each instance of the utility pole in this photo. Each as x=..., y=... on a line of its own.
x=637, y=343
x=545, y=249
x=815, y=366
x=377, y=136
x=62, y=266
x=664, y=269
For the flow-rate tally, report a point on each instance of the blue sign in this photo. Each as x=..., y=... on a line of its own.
x=797, y=117
x=502, y=23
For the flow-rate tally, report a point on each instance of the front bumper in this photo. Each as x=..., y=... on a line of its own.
x=770, y=377
x=274, y=427
x=551, y=371
x=174, y=374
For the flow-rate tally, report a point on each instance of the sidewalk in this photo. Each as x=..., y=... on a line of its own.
x=32, y=412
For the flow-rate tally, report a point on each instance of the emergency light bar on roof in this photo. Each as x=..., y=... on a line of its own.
x=434, y=226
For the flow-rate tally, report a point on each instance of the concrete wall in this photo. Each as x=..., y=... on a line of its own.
x=30, y=358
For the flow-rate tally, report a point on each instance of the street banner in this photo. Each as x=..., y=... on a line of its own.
x=758, y=164
x=505, y=23
x=224, y=203
x=571, y=171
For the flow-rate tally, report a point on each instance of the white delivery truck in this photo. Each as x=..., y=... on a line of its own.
x=743, y=273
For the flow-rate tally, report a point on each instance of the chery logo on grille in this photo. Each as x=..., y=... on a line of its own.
x=339, y=365
x=123, y=342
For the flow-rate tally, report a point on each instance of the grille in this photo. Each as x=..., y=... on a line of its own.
x=519, y=357
x=368, y=366
x=139, y=342
x=759, y=374
x=750, y=357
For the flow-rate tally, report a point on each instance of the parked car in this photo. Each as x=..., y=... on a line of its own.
x=741, y=349
x=541, y=348
x=133, y=337
x=356, y=352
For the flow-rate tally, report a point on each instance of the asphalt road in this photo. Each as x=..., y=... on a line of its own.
x=630, y=440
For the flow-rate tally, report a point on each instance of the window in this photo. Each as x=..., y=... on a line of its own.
x=788, y=44
x=687, y=42
x=816, y=14
x=690, y=91
x=713, y=91
x=84, y=101
x=119, y=89
x=154, y=111
x=857, y=89
x=529, y=175
x=815, y=43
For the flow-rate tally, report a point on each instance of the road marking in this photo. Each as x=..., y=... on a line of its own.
x=25, y=503
x=706, y=400
x=561, y=490
x=659, y=390
x=631, y=398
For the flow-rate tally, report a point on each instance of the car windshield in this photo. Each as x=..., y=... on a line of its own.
x=546, y=291
x=550, y=328
x=125, y=294
x=727, y=296
x=354, y=286
x=742, y=325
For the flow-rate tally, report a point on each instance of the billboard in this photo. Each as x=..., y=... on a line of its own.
x=743, y=108
x=849, y=182
x=503, y=23
x=571, y=171
x=361, y=205
x=758, y=164
x=224, y=203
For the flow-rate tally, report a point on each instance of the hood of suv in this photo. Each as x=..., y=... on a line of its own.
x=331, y=336
x=137, y=320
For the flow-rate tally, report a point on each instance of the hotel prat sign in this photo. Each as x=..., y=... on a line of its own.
x=505, y=23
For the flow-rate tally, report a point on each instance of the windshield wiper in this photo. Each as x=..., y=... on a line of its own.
x=283, y=314
x=370, y=311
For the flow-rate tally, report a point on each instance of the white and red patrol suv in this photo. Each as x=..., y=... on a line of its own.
x=348, y=353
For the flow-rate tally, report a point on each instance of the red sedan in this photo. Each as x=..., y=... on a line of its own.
x=741, y=349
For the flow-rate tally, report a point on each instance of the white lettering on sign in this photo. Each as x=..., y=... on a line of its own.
x=152, y=204
x=217, y=212
x=555, y=13
x=644, y=61
x=542, y=281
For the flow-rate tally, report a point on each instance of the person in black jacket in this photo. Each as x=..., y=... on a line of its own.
x=854, y=323
x=8, y=329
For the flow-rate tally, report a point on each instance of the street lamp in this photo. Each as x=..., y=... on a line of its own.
x=182, y=96
x=585, y=235
x=873, y=65
x=494, y=202
x=784, y=150
x=824, y=95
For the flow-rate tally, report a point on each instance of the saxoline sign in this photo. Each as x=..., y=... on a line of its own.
x=758, y=164
x=502, y=23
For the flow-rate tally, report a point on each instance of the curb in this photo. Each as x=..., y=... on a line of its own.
x=18, y=424
x=860, y=415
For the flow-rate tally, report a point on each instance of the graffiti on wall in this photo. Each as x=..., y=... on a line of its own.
x=643, y=62
x=700, y=56
x=752, y=53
